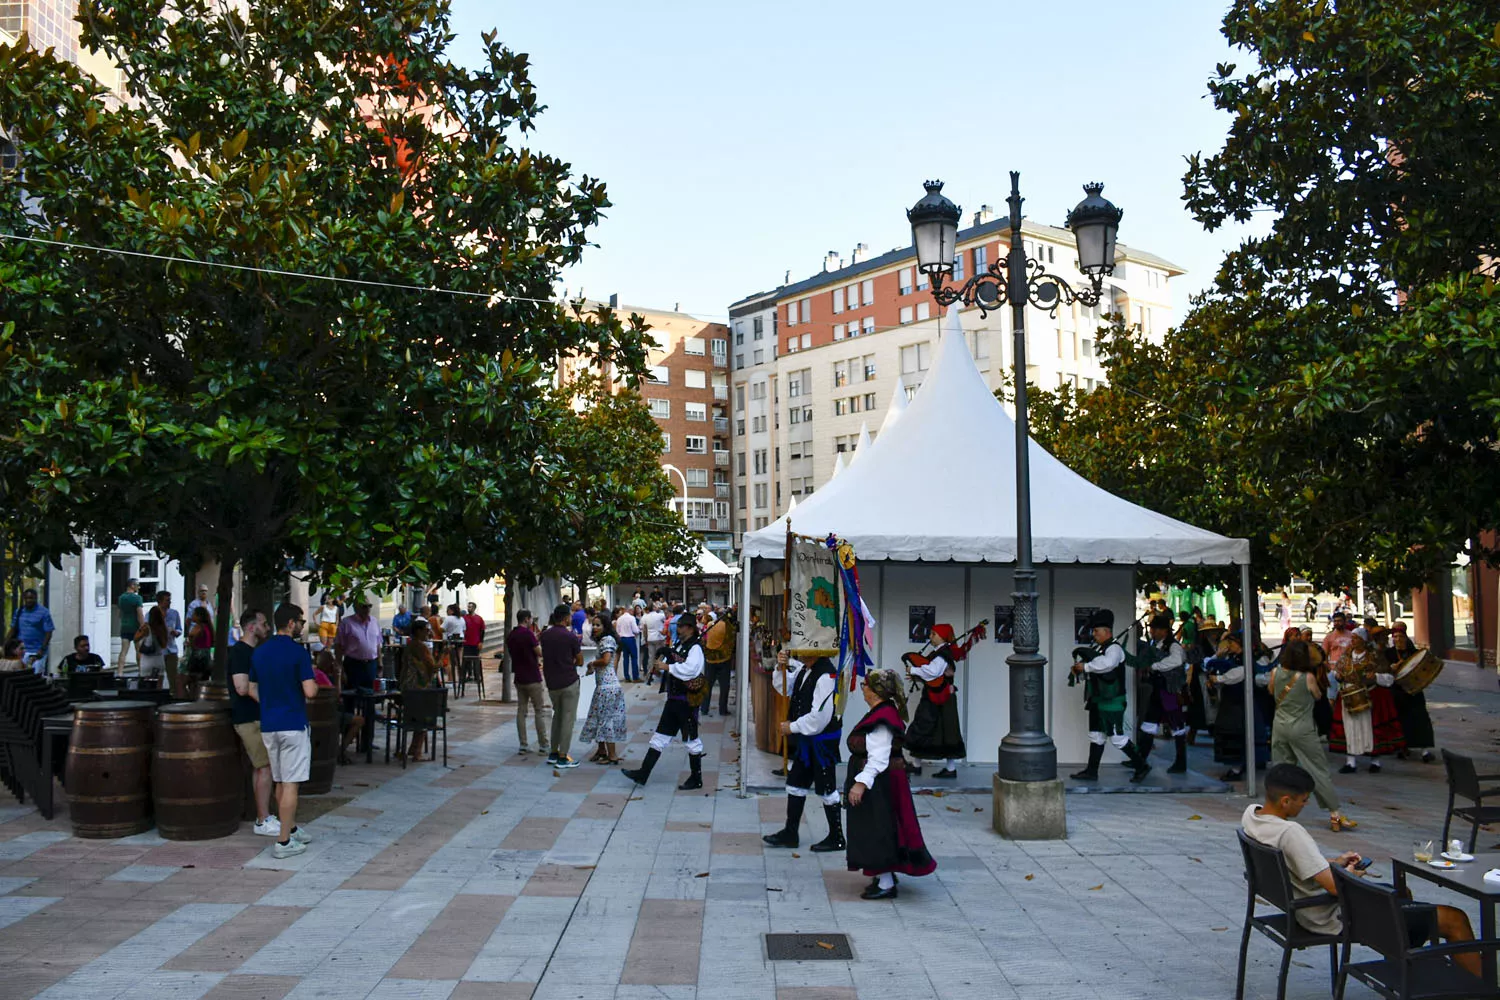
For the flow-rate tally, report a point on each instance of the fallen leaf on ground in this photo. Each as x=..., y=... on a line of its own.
x=190, y=866
x=924, y=815
x=978, y=809
x=1218, y=928
x=701, y=875
x=1030, y=877
x=484, y=812
x=1193, y=817
x=938, y=793
x=953, y=809
x=770, y=889
x=1199, y=860
x=1096, y=888
x=556, y=774
x=796, y=855
x=825, y=944
x=584, y=868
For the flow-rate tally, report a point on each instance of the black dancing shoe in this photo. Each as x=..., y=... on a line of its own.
x=1348, y=769
x=782, y=838
x=1234, y=774
x=946, y=772
x=874, y=891
x=1374, y=767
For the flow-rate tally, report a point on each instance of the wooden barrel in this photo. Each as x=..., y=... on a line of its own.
x=214, y=691
x=195, y=775
x=108, y=774
x=323, y=718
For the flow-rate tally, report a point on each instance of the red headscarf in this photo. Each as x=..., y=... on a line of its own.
x=943, y=632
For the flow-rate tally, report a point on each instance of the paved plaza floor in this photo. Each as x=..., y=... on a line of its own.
x=499, y=877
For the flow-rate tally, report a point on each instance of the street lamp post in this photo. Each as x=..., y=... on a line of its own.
x=669, y=467
x=1027, y=756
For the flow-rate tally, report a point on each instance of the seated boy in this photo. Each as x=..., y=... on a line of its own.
x=1274, y=824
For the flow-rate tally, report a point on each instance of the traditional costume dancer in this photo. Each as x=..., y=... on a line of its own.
x=1364, y=724
x=884, y=837
x=1165, y=663
x=812, y=734
x=935, y=733
x=1102, y=667
x=686, y=690
x=1416, y=723
x=1227, y=669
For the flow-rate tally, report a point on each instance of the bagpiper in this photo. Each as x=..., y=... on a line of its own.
x=812, y=730
x=686, y=690
x=1101, y=665
x=1165, y=663
x=935, y=732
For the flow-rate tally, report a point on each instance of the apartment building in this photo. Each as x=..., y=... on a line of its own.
x=687, y=391
x=849, y=336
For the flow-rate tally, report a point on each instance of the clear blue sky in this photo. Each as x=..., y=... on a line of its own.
x=740, y=140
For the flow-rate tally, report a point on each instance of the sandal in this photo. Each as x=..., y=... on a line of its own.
x=1340, y=823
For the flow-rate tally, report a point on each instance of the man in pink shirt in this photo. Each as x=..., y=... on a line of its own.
x=358, y=642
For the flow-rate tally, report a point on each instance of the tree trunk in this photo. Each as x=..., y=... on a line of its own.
x=225, y=606
x=510, y=615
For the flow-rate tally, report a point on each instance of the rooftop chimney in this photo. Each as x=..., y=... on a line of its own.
x=787, y=280
x=614, y=300
x=831, y=261
x=860, y=254
x=985, y=214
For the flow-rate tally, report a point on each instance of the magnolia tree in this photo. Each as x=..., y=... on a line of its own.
x=292, y=298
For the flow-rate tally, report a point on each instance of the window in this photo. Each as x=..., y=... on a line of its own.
x=739, y=428
x=739, y=361
x=739, y=334
x=807, y=485
x=794, y=385
x=904, y=280
x=758, y=357
x=869, y=323
x=921, y=281
x=776, y=458
x=869, y=362
x=867, y=291
x=661, y=409
x=758, y=424
x=739, y=397
x=914, y=358
x=757, y=390
x=760, y=496
x=1062, y=379
x=1051, y=256
x=807, y=414
x=1063, y=343
x=740, y=498
x=869, y=401
x=795, y=416
x=924, y=310
x=958, y=266
x=720, y=348
x=697, y=477
x=760, y=461
x=838, y=331
x=906, y=315
x=739, y=464
x=841, y=443
x=979, y=344
x=791, y=314
x=840, y=373
x=694, y=345
x=851, y=296
x=794, y=450
x=695, y=379
x=666, y=444
x=840, y=407
x=757, y=328
x=838, y=300
x=806, y=307
x=1086, y=348
x=695, y=411
x=696, y=445
x=981, y=259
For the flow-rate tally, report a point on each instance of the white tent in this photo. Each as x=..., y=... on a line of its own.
x=707, y=564
x=939, y=485
x=931, y=513
x=896, y=407
x=863, y=445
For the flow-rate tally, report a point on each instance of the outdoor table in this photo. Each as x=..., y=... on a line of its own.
x=368, y=701
x=1467, y=878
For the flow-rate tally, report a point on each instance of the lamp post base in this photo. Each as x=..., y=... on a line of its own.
x=1030, y=810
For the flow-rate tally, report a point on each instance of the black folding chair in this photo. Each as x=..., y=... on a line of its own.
x=424, y=710
x=1374, y=917
x=1268, y=878
x=1464, y=782
x=472, y=671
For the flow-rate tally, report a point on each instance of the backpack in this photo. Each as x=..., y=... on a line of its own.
x=718, y=645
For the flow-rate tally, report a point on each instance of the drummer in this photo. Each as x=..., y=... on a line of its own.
x=1411, y=706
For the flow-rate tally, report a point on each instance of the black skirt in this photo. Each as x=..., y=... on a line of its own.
x=934, y=733
x=1415, y=722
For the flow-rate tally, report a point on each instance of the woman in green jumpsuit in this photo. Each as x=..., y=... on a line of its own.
x=1295, y=685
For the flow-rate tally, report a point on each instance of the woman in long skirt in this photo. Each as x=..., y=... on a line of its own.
x=1416, y=724
x=1362, y=724
x=606, y=723
x=883, y=837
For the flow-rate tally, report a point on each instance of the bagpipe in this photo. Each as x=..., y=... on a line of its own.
x=1087, y=654
x=959, y=647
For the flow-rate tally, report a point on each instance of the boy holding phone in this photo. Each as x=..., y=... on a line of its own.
x=1274, y=824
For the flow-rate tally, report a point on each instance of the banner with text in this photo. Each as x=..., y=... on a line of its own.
x=815, y=609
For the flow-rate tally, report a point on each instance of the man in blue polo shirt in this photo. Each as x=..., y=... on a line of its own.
x=281, y=679
x=32, y=624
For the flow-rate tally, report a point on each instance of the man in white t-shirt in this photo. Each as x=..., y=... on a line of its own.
x=654, y=622
x=1274, y=824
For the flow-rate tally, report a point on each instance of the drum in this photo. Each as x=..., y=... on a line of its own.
x=108, y=773
x=195, y=775
x=1356, y=697
x=1418, y=670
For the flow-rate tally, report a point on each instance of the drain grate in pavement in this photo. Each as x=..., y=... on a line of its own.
x=808, y=948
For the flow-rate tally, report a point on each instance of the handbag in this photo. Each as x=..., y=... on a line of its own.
x=147, y=644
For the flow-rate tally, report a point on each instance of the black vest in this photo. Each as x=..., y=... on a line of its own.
x=805, y=688
x=677, y=688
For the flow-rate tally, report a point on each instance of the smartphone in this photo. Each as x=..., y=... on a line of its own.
x=1363, y=863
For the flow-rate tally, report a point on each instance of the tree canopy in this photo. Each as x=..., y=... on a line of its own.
x=1333, y=396
x=294, y=296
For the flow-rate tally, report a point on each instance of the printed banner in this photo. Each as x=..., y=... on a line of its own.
x=814, y=614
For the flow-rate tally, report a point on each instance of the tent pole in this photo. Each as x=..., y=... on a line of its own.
x=1247, y=649
x=743, y=654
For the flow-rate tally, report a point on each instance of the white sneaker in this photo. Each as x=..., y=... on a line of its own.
x=291, y=848
x=301, y=836
x=270, y=827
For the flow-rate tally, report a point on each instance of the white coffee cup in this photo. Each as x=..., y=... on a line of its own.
x=1455, y=847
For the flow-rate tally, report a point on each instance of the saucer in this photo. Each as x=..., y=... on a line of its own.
x=1445, y=865
x=1458, y=857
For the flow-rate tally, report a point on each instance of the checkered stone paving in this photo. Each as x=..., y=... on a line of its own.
x=501, y=877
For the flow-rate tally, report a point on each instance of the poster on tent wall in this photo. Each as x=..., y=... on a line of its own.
x=814, y=612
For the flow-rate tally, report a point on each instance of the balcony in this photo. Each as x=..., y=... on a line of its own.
x=721, y=490
x=700, y=523
x=721, y=392
x=721, y=425
x=721, y=360
x=721, y=458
